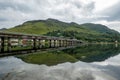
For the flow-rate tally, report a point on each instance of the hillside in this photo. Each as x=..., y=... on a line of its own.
x=99, y=28
x=52, y=27
x=49, y=25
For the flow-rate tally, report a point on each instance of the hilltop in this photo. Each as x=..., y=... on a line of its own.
x=52, y=27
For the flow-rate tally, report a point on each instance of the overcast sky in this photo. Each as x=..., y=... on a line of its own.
x=15, y=12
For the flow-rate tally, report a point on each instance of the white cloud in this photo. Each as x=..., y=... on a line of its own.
x=103, y=4
x=15, y=12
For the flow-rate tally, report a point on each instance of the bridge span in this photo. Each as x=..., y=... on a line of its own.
x=10, y=42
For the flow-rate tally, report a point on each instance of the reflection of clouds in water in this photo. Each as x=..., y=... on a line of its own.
x=111, y=61
x=110, y=66
x=65, y=71
x=51, y=73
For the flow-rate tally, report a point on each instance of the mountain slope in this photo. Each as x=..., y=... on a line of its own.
x=99, y=28
x=51, y=27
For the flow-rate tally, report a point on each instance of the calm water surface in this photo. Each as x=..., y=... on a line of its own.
x=96, y=62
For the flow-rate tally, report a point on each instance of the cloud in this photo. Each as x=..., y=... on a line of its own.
x=14, y=12
x=112, y=12
x=2, y=19
x=17, y=6
x=73, y=10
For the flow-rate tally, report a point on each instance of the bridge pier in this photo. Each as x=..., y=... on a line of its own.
x=60, y=43
x=42, y=43
x=57, y=43
x=2, y=44
x=39, y=43
x=34, y=44
x=54, y=43
x=70, y=43
x=63, y=43
x=8, y=44
x=50, y=43
x=66, y=43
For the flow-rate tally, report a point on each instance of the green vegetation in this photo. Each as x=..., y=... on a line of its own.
x=90, y=53
x=48, y=58
x=51, y=27
x=87, y=32
x=15, y=48
x=86, y=37
x=84, y=53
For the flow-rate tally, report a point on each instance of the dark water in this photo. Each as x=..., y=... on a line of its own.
x=96, y=62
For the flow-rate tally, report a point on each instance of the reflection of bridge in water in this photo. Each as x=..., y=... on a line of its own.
x=14, y=42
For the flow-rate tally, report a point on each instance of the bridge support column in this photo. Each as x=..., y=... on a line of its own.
x=70, y=43
x=34, y=44
x=39, y=43
x=66, y=43
x=42, y=43
x=63, y=43
x=57, y=42
x=73, y=43
x=50, y=43
x=2, y=44
x=54, y=43
x=8, y=44
x=60, y=43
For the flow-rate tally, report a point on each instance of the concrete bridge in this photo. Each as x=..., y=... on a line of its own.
x=10, y=42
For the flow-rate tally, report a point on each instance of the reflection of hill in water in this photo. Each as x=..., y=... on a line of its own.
x=91, y=53
x=86, y=53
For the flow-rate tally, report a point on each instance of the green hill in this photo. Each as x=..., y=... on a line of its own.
x=99, y=28
x=49, y=25
x=52, y=27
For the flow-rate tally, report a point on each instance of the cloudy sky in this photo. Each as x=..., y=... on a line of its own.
x=15, y=12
